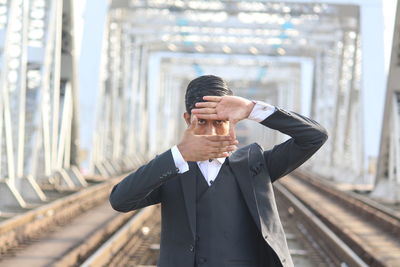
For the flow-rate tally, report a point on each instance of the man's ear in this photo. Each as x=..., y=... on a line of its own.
x=186, y=116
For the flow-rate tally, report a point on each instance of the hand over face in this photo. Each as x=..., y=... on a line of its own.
x=202, y=147
x=231, y=108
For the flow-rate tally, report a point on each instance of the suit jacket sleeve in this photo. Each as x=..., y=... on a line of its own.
x=144, y=186
x=307, y=136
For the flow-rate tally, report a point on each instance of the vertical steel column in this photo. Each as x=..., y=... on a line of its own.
x=69, y=77
x=325, y=87
x=337, y=106
x=143, y=141
x=119, y=124
x=347, y=97
x=132, y=144
x=388, y=167
x=12, y=84
x=38, y=88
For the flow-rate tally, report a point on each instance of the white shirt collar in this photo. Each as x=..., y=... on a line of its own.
x=219, y=160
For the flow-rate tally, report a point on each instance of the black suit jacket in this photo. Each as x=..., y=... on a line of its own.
x=255, y=170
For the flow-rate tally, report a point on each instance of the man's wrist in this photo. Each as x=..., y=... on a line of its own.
x=261, y=111
x=179, y=160
x=181, y=150
x=250, y=107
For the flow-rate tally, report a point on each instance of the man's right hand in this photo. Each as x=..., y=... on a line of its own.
x=203, y=147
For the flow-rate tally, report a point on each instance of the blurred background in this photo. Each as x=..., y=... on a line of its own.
x=91, y=89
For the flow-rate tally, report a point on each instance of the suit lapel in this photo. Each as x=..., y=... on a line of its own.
x=188, y=181
x=239, y=162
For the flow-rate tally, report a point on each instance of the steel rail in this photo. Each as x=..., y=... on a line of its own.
x=21, y=228
x=384, y=216
x=105, y=254
x=368, y=230
x=336, y=248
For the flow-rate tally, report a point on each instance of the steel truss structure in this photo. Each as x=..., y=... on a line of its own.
x=152, y=49
x=388, y=172
x=38, y=112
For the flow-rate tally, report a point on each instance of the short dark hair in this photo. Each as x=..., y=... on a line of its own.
x=202, y=86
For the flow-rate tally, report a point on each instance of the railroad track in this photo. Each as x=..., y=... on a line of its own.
x=322, y=246
x=370, y=231
x=135, y=244
x=310, y=241
x=21, y=228
x=63, y=232
x=317, y=233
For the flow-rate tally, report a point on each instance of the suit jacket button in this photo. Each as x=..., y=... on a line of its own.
x=191, y=248
x=202, y=260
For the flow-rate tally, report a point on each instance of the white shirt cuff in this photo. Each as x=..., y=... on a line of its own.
x=261, y=111
x=180, y=163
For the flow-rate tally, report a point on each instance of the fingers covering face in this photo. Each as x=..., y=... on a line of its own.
x=218, y=137
x=212, y=98
x=193, y=123
x=204, y=111
x=223, y=143
x=206, y=104
x=232, y=130
x=207, y=116
x=218, y=149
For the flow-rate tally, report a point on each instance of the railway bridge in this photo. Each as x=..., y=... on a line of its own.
x=91, y=90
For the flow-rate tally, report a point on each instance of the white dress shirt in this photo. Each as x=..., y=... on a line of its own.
x=210, y=169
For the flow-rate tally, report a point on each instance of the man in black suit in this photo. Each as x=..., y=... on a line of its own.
x=218, y=207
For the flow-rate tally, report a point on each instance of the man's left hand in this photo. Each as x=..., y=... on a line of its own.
x=231, y=108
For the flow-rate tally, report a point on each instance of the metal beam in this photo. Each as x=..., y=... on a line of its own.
x=388, y=167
